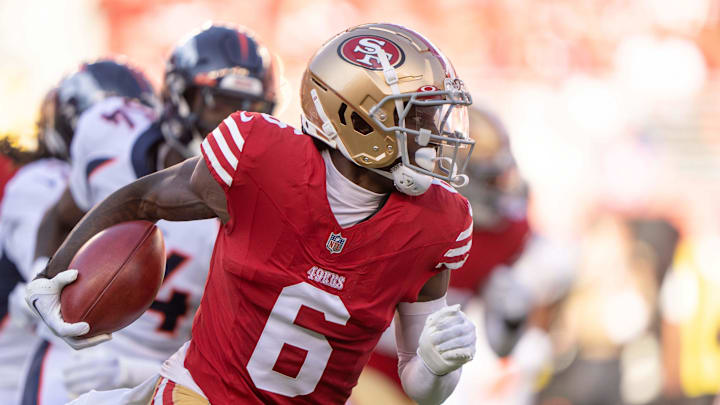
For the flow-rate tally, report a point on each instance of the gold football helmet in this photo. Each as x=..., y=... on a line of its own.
x=370, y=88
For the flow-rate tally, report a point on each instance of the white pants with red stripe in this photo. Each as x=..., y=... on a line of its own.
x=140, y=395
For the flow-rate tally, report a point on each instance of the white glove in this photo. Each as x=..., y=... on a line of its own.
x=43, y=298
x=20, y=314
x=447, y=340
x=102, y=370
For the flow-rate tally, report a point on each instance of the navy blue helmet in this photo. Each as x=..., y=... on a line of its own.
x=75, y=93
x=219, y=65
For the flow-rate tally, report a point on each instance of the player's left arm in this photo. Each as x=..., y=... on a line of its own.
x=433, y=342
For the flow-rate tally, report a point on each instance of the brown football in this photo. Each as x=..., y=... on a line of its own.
x=120, y=271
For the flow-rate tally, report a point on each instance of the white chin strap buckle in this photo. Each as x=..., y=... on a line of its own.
x=410, y=182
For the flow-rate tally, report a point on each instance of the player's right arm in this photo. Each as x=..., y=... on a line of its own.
x=194, y=189
x=184, y=192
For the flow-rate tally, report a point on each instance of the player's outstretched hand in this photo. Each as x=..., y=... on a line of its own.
x=447, y=340
x=43, y=297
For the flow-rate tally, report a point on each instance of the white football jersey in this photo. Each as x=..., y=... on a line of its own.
x=109, y=150
x=32, y=190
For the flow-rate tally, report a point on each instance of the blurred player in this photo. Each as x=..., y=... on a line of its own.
x=498, y=199
x=498, y=196
x=209, y=75
x=322, y=239
x=37, y=186
x=518, y=277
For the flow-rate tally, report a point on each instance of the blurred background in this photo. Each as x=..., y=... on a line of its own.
x=613, y=113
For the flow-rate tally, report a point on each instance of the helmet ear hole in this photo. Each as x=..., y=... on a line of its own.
x=359, y=124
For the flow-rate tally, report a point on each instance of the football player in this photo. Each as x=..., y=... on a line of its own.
x=498, y=196
x=214, y=72
x=35, y=187
x=326, y=231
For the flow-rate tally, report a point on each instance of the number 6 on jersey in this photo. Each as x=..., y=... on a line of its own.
x=281, y=329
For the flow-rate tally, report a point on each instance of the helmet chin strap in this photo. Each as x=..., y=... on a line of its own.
x=407, y=180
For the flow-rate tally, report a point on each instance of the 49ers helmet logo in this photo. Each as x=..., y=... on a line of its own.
x=363, y=51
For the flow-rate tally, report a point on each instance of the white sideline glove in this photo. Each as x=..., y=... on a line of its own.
x=20, y=314
x=447, y=341
x=43, y=297
x=102, y=370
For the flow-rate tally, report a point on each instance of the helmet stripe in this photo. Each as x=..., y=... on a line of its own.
x=243, y=45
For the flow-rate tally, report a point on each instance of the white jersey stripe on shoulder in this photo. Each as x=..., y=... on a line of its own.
x=454, y=266
x=245, y=118
x=224, y=148
x=158, y=399
x=465, y=234
x=215, y=163
x=444, y=185
x=459, y=251
x=235, y=132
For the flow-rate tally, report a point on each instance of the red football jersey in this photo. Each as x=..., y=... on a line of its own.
x=491, y=248
x=294, y=304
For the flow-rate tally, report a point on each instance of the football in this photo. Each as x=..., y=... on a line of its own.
x=120, y=271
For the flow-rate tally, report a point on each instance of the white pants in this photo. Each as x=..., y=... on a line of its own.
x=8, y=396
x=43, y=381
x=140, y=395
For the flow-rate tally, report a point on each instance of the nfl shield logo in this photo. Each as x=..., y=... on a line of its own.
x=335, y=243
